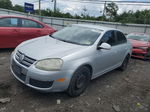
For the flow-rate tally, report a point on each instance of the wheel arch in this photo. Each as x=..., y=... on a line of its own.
x=90, y=67
x=127, y=55
x=87, y=65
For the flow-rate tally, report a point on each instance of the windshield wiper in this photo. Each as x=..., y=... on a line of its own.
x=58, y=38
x=62, y=40
x=51, y=36
x=69, y=41
x=74, y=43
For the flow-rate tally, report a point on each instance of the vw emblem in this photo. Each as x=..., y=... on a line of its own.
x=21, y=58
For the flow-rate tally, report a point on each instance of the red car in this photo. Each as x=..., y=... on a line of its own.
x=141, y=45
x=14, y=30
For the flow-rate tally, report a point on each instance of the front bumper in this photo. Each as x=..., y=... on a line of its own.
x=139, y=53
x=38, y=79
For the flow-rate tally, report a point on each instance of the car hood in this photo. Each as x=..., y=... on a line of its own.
x=47, y=47
x=137, y=43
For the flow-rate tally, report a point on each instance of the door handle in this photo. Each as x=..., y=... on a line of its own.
x=15, y=30
x=38, y=30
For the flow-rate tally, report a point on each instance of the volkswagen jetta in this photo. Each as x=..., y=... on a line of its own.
x=68, y=59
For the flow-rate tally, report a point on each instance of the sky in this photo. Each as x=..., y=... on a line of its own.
x=76, y=6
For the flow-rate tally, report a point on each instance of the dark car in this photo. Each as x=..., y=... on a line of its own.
x=141, y=45
x=14, y=30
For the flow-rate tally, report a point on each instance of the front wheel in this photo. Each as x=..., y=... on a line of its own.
x=125, y=63
x=79, y=81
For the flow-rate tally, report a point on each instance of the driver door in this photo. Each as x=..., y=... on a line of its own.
x=106, y=60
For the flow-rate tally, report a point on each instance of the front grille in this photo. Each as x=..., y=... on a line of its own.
x=26, y=61
x=138, y=54
x=40, y=84
x=17, y=70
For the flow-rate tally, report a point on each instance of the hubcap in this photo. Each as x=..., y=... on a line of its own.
x=81, y=81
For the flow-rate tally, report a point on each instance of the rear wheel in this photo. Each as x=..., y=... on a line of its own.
x=79, y=81
x=125, y=63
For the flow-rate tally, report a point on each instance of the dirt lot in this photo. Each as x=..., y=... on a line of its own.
x=127, y=91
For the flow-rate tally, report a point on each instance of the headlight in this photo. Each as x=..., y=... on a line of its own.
x=49, y=64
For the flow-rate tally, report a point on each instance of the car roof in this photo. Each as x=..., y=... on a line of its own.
x=13, y=16
x=102, y=28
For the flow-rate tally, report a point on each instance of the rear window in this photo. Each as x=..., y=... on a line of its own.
x=30, y=24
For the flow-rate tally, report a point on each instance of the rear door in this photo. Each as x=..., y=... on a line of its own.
x=122, y=45
x=9, y=32
x=30, y=29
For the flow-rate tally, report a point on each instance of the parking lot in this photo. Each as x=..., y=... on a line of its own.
x=127, y=91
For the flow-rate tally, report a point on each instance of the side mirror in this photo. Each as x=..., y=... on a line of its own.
x=104, y=46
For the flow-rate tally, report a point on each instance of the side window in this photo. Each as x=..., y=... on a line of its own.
x=109, y=37
x=8, y=22
x=30, y=24
x=120, y=37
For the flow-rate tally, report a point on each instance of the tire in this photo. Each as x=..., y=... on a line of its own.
x=125, y=63
x=79, y=81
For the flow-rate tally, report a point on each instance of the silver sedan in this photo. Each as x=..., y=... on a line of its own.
x=68, y=59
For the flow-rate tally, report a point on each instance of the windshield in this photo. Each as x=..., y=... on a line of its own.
x=139, y=37
x=77, y=35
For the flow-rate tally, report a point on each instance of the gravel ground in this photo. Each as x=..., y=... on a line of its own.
x=116, y=91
